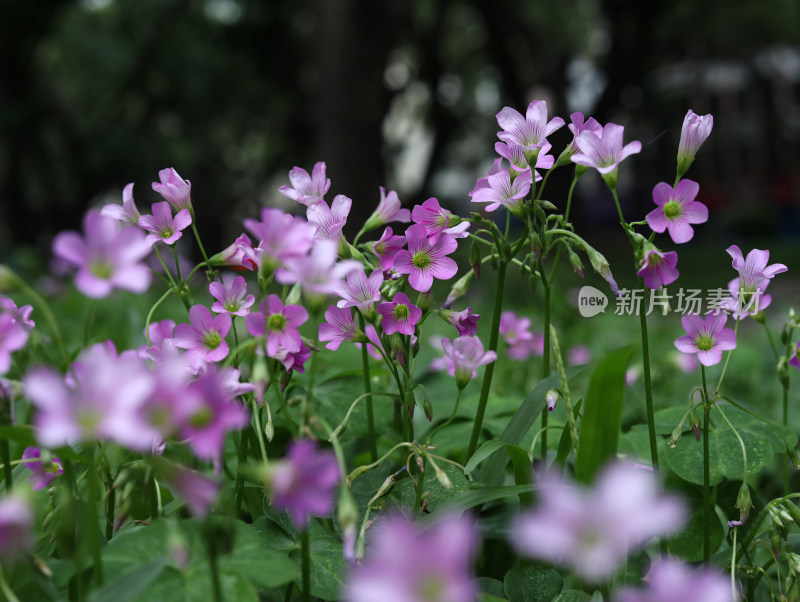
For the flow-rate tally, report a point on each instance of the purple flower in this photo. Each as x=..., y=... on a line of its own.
x=360, y=291
x=695, y=130
x=330, y=220
x=13, y=336
x=551, y=399
x=388, y=210
x=577, y=126
x=103, y=397
x=237, y=255
x=658, y=269
x=754, y=269
x=16, y=521
x=162, y=226
x=198, y=491
x=22, y=315
x=387, y=247
x=579, y=355
x=464, y=355
x=318, y=273
x=174, y=189
x=677, y=210
x=593, y=531
x=204, y=338
x=669, y=580
x=603, y=151
x=399, y=315
x=307, y=190
x=127, y=212
x=44, y=472
x=280, y=237
x=466, y=323
x=303, y=483
x=338, y=327
x=293, y=360
x=530, y=131
x=746, y=303
x=502, y=191
x=425, y=260
x=278, y=323
x=515, y=155
x=437, y=220
x=707, y=338
x=408, y=564
x=231, y=299
x=106, y=258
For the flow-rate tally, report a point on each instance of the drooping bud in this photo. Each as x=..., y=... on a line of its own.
x=576, y=262
x=783, y=372
x=601, y=266
x=550, y=398
x=459, y=289
x=676, y=436
x=475, y=259
x=347, y=515
x=744, y=502
x=694, y=422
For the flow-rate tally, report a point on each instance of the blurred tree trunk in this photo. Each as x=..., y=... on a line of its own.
x=354, y=41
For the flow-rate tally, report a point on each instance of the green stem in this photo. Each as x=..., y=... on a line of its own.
x=199, y=242
x=448, y=421
x=177, y=263
x=5, y=456
x=4, y=587
x=152, y=311
x=373, y=444
x=487, y=375
x=706, y=475
x=94, y=525
x=741, y=443
x=358, y=471
x=785, y=424
x=216, y=587
x=238, y=488
x=421, y=481
x=733, y=565
x=166, y=269
x=648, y=389
x=727, y=357
x=343, y=424
x=259, y=429
x=545, y=360
x=771, y=340
x=304, y=550
x=111, y=506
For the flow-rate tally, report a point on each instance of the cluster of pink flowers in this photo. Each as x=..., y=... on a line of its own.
x=15, y=328
x=521, y=342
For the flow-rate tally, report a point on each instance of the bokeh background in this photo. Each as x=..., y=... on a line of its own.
x=395, y=93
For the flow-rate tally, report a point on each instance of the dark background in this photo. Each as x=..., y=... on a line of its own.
x=400, y=93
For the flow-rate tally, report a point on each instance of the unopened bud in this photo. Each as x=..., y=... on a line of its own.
x=793, y=511
x=793, y=560
x=347, y=515
x=536, y=243
x=744, y=502
x=459, y=289
x=442, y=477
x=601, y=266
x=547, y=205
x=694, y=422
x=576, y=262
x=293, y=298
x=550, y=398
x=475, y=259
x=793, y=456
x=783, y=372
x=427, y=406
x=676, y=436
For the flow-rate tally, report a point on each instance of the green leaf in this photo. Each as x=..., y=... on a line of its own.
x=21, y=434
x=232, y=585
x=572, y=595
x=328, y=566
x=483, y=452
x=484, y=597
x=491, y=586
x=602, y=415
x=688, y=544
x=532, y=584
x=519, y=425
x=477, y=497
x=130, y=584
x=565, y=443
x=522, y=470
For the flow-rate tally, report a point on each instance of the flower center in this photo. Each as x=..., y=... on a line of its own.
x=380, y=248
x=276, y=322
x=672, y=209
x=232, y=306
x=704, y=342
x=201, y=418
x=431, y=588
x=212, y=340
x=653, y=260
x=101, y=269
x=400, y=311
x=441, y=221
x=166, y=232
x=421, y=260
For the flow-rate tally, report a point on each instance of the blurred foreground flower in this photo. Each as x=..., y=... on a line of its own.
x=670, y=580
x=593, y=531
x=406, y=564
x=16, y=517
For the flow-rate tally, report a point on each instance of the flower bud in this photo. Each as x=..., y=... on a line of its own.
x=783, y=372
x=550, y=398
x=695, y=131
x=459, y=289
x=793, y=511
x=475, y=259
x=694, y=422
x=347, y=515
x=601, y=266
x=442, y=477
x=427, y=406
x=576, y=262
x=676, y=436
x=793, y=456
x=743, y=502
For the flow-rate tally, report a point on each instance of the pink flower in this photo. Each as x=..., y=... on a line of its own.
x=424, y=260
x=174, y=189
x=466, y=323
x=318, y=273
x=406, y=563
x=387, y=247
x=162, y=226
x=280, y=237
x=399, y=315
x=530, y=131
x=794, y=360
x=579, y=355
x=754, y=269
x=604, y=151
x=303, y=483
x=204, y=338
x=388, y=210
x=593, y=531
x=464, y=355
x=695, y=130
x=237, y=255
x=22, y=315
x=13, y=336
x=577, y=126
x=502, y=191
x=43, y=472
x=231, y=299
x=551, y=399
x=677, y=210
x=306, y=189
x=207, y=413
x=515, y=155
x=16, y=522
x=743, y=303
x=329, y=220
x=127, y=212
x=707, y=338
x=338, y=327
x=278, y=323
x=293, y=360
x=198, y=491
x=360, y=291
x=437, y=220
x=669, y=580
x=658, y=269
x=103, y=397
x=106, y=258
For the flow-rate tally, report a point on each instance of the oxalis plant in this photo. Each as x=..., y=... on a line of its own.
x=275, y=433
